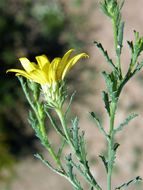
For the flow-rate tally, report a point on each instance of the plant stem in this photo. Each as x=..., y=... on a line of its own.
x=41, y=127
x=110, y=145
x=115, y=33
x=64, y=125
x=114, y=24
x=45, y=141
x=90, y=179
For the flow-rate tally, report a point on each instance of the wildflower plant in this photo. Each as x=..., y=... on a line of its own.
x=47, y=79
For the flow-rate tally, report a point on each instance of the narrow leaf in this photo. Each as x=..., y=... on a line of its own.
x=75, y=131
x=131, y=45
x=70, y=102
x=127, y=120
x=104, y=162
x=54, y=124
x=106, y=101
x=98, y=123
x=105, y=54
x=82, y=147
x=138, y=67
x=121, y=4
x=125, y=185
x=109, y=82
x=47, y=163
x=61, y=148
x=120, y=37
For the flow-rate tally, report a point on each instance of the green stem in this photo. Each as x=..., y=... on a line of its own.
x=53, y=154
x=115, y=33
x=90, y=179
x=64, y=125
x=113, y=107
x=45, y=140
x=41, y=120
x=110, y=145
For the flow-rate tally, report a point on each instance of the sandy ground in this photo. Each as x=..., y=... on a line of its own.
x=33, y=175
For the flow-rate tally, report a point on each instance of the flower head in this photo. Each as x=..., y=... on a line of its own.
x=45, y=72
x=49, y=75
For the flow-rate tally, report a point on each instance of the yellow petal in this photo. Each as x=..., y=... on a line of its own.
x=39, y=76
x=24, y=75
x=19, y=72
x=55, y=63
x=66, y=57
x=64, y=62
x=27, y=65
x=72, y=61
x=53, y=70
x=43, y=62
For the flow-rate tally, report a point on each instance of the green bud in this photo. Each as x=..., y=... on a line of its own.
x=55, y=94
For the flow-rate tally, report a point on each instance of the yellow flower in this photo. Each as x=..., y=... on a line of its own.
x=45, y=72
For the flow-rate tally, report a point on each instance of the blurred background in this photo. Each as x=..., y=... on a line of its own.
x=31, y=27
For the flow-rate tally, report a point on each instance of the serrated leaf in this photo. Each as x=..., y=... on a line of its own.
x=127, y=120
x=32, y=120
x=103, y=7
x=110, y=83
x=104, y=162
x=115, y=147
x=130, y=45
x=99, y=125
x=112, y=159
x=105, y=54
x=106, y=101
x=125, y=185
x=82, y=147
x=138, y=67
x=75, y=131
x=69, y=166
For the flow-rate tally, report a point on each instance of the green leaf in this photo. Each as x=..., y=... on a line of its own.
x=70, y=102
x=34, y=124
x=121, y=4
x=32, y=120
x=61, y=148
x=138, y=67
x=115, y=147
x=103, y=6
x=130, y=43
x=75, y=131
x=104, y=162
x=54, y=124
x=106, y=101
x=105, y=54
x=120, y=37
x=98, y=123
x=70, y=167
x=111, y=84
x=47, y=163
x=113, y=155
x=125, y=185
x=82, y=148
x=127, y=120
